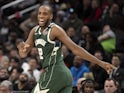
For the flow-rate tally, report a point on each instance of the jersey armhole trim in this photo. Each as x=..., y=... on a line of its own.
x=37, y=29
x=48, y=37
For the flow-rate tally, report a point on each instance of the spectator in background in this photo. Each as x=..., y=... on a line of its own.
x=14, y=53
x=78, y=69
x=11, y=42
x=5, y=29
x=82, y=40
x=118, y=73
x=29, y=23
x=111, y=86
x=71, y=32
x=32, y=82
x=99, y=74
x=116, y=60
x=79, y=84
x=92, y=43
x=88, y=86
x=6, y=87
x=93, y=20
x=4, y=75
x=108, y=39
x=14, y=62
x=34, y=53
x=4, y=62
x=23, y=84
x=60, y=17
x=83, y=9
x=3, y=59
x=33, y=64
x=85, y=29
x=95, y=14
x=73, y=21
x=14, y=75
x=112, y=16
x=32, y=68
x=12, y=38
x=1, y=54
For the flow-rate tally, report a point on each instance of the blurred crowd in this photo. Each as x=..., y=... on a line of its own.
x=96, y=25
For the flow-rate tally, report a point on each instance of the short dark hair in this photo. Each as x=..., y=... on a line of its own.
x=19, y=69
x=116, y=55
x=49, y=6
x=115, y=81
x=87, y=81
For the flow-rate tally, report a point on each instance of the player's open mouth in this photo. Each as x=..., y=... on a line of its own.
x=41, y=22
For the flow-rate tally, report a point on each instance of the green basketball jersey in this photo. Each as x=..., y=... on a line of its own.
x=49, y=51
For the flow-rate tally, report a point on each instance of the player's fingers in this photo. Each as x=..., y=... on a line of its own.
x=109, y=68
x=27, y=45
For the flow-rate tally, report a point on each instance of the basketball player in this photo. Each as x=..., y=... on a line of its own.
x=48, y=38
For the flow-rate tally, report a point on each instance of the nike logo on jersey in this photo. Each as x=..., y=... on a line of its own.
x=37, y=89
x=42, y=91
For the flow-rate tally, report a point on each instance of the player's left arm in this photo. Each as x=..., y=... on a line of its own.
x=58, y=33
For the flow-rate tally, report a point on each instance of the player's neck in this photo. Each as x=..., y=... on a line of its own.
x=45, y=26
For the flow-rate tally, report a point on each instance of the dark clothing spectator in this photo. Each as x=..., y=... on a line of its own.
x=100, y=76
x=119, y=76
x=23, y=84
x=25, y=88
x=73, y=21
x=83, y=9
x=92, y=43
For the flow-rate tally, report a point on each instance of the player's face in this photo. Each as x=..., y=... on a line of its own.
x=44, y=16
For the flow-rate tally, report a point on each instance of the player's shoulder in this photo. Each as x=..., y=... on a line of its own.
x=56, y=27
x=35, y=27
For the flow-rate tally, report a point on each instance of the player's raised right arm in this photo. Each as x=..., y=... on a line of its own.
x=25, y=47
